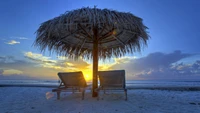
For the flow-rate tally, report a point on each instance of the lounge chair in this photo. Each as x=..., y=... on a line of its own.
x=71, y=81
x=112, y=80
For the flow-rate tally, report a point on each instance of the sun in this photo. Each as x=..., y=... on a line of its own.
x=87, y=75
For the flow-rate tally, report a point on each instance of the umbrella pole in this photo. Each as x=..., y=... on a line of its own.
x=95, y=64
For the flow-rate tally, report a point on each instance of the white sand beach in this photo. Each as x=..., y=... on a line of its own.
x=42, y=100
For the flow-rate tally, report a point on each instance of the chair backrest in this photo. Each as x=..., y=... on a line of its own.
x=113, y=78
x=71, y=79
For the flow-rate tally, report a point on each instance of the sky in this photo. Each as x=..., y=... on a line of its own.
x=172, y=52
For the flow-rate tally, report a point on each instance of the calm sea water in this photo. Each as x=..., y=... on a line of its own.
x=129, y=83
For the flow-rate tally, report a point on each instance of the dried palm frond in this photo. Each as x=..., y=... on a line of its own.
x=73, y=33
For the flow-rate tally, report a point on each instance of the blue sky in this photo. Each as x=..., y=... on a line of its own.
x=173, y=26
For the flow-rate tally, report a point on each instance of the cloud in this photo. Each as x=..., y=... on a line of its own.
x=79, y=64
x=152, y=61
x=1, y=71
x=6, y=59
x=19, y=68
x=12, y=72
x=23, y=38
x=12, y=42
x=157, y=66
x=62, y=64
x=38, y=66
x=38, y=57
x=17, y=37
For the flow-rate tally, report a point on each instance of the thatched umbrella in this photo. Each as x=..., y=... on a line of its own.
x=92, y=33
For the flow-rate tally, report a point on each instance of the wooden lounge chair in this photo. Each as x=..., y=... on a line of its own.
x=71, y=81
x=112, y=80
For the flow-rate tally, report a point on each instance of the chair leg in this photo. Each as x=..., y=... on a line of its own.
x=83, y=94
x=125, y=91
x=73, y=90
x=97, y=90
x=58, y=95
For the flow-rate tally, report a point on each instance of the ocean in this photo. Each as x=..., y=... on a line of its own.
x=129, y=83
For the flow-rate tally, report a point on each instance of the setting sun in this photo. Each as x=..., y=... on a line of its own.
x=87, y=75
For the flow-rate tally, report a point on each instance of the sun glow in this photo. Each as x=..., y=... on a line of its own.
x=88, y=72
x=87, y=75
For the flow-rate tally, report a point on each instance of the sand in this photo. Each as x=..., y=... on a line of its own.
x=42, y=100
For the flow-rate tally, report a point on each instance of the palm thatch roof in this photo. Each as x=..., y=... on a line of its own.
x=72, y=34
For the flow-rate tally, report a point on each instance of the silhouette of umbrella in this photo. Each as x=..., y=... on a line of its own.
x=92, y=33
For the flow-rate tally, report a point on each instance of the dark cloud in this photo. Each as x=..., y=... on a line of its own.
x=1, y=57
x=177, y=71
x=1, y=71
x=159, y=66
x=196, y=65
x=158, y=59
x=152, y=61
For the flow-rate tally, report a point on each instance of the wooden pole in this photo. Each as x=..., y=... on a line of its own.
x=95, y=63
